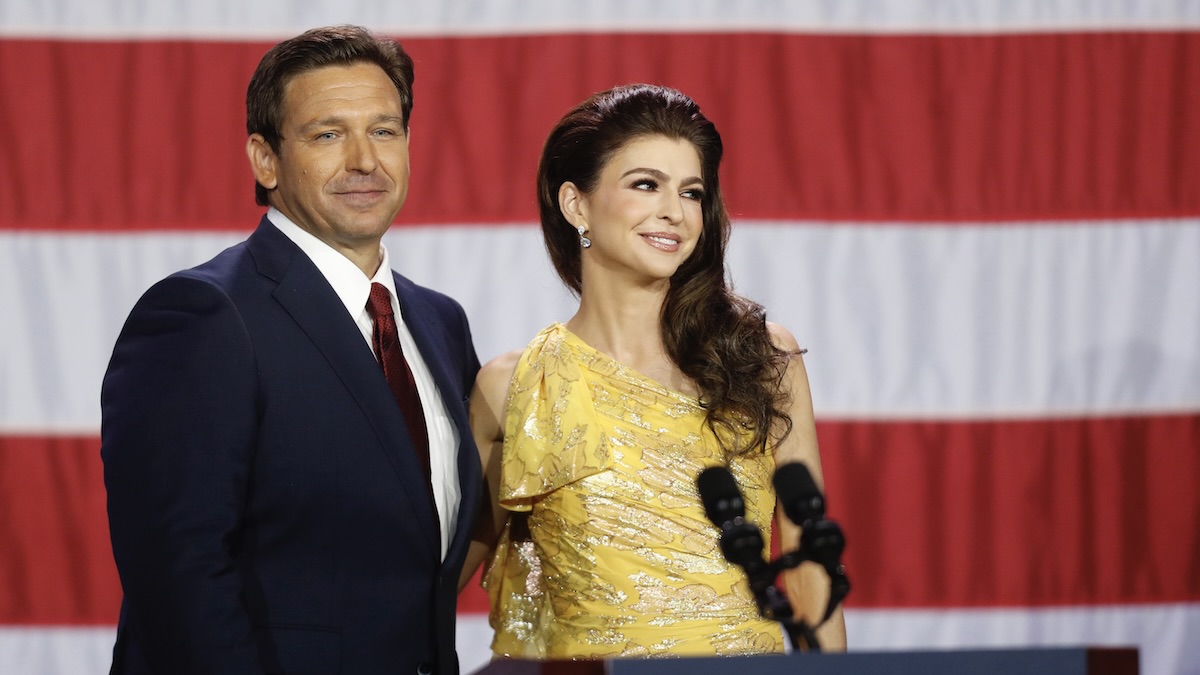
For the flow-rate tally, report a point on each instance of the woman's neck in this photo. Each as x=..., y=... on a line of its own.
x=626, y=325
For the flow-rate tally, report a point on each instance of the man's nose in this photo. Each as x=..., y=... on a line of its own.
x=360, y=154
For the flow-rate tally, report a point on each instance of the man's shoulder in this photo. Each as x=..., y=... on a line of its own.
x=225, y=274
x=435, y=298
x=221, y=267
x=264, y=251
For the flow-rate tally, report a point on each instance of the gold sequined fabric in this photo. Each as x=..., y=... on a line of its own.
x=608, y=552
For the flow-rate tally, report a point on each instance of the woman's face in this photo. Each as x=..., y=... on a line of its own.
x=644, y=215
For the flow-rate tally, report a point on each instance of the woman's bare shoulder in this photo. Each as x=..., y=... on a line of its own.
x=494, y=376
x=782, y=338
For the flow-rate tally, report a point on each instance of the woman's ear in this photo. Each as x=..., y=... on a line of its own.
x=263, y=161
x=573, y=205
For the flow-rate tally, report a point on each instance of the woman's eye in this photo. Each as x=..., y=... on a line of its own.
x=645, y=184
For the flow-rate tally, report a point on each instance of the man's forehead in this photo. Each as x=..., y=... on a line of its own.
x=344, y=91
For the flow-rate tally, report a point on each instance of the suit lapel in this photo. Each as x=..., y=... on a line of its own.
x=312, y=303
x=429, y=333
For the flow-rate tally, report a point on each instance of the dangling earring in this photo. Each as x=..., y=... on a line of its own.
x=583, y=240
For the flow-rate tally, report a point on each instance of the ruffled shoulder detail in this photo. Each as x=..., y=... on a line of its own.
x=552, y=434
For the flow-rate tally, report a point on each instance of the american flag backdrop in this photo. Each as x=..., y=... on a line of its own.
x=982, y=219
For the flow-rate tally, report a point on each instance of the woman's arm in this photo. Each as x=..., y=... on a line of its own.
x=486, y=416
x=807, y=585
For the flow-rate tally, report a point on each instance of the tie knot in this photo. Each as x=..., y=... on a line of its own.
x=379, y=303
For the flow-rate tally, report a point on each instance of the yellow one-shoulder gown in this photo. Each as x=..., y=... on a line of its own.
x=619, y=559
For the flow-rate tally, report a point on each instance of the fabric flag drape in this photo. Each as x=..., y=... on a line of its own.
x=983, y=222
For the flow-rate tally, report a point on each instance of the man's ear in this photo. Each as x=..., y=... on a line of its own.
x=572, y=203
x=263, y=161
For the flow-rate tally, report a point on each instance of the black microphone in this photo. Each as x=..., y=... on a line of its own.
x=741, y=541
x=720, y=495
x=821, y=539
x=798, y=493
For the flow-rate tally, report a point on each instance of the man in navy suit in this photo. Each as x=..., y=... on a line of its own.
x=273, y=507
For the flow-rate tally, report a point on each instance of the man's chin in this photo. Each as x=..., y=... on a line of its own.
x=367, y=222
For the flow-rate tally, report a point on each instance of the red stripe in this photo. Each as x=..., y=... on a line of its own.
x=148, y=135
x=56, y=564
x=994, y=513
x=936, y=514
x=473, y=598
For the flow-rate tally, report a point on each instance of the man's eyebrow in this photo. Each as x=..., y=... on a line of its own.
x=395, y=119
x=338, y=120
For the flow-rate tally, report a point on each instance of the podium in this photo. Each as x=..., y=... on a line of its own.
x=1026, y=661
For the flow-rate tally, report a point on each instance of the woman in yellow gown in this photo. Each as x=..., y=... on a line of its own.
x=593, y=436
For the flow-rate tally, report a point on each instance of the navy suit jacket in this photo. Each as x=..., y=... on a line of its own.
x=267, y=510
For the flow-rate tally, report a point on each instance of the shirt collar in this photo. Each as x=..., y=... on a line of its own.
x=347, y=280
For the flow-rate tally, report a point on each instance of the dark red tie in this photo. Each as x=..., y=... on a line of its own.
x=386, y=341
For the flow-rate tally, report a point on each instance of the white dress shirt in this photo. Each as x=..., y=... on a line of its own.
x=353, y=287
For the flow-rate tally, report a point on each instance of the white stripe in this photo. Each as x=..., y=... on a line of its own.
x=473, y=641
x=271, y=19
x=1162, y=633
x=41, y=650
x=902, y=321
x=996, y=320
x=65, y=298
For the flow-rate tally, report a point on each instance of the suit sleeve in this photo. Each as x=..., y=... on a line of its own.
x=179, y=420
x=470, y=357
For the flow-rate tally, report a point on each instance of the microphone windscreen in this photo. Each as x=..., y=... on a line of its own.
x=720, y=495
x=798, y=493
